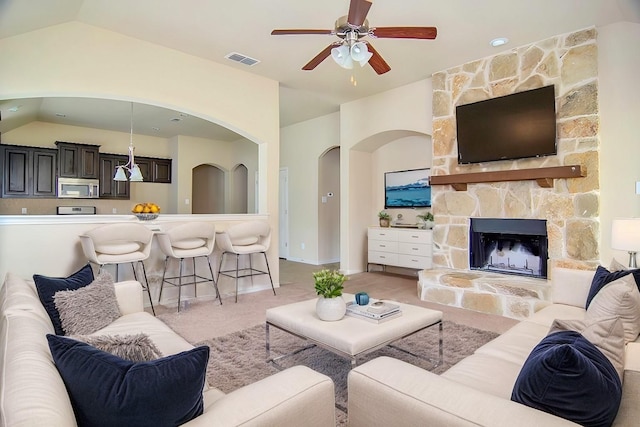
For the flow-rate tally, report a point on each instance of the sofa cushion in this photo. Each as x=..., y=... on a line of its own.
x=106, y=390
x=132, y=347
x=48, y=286
x=603, y=276
x=568, y=376
x=607, y=334
x=619, y=298
x=85, y=310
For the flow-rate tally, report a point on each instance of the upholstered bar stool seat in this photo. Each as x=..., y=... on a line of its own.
x=186, y=240
x=246, y=238
x=121, y=243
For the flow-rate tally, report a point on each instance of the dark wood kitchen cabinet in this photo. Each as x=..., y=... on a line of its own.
x=28, y=171
x=110, y=189
x=78, y=160
x=155, y=169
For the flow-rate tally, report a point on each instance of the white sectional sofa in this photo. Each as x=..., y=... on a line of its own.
x=477, y=391
x=32, y=393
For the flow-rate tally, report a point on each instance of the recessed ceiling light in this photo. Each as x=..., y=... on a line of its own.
x=499, y=41
x=60, y=115
x=175, y=119
x=155, y=129
x=14, y=109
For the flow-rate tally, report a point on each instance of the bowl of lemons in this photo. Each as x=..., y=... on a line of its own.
x=146, y=211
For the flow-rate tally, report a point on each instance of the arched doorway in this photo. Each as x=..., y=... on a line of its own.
x=239, y=190
x=208, y=190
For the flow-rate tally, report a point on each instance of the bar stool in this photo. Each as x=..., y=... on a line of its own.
x=246, y=238
x=188, y=240
x=120, y=243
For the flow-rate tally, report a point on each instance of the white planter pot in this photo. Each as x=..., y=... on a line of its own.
x=331, y=309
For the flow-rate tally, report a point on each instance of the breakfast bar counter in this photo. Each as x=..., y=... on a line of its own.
x=49, y=244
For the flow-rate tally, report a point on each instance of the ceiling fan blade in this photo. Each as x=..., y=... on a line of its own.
x=318, y=58
x=378, y=64
x=358, y=10
x=299, y=31
x=405, y=32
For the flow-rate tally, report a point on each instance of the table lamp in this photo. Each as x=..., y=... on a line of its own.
x=625, y=235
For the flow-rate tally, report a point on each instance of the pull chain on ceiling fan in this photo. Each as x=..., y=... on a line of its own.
x=351, y=29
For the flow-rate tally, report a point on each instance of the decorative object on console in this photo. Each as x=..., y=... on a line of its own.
x=427, y=220
x=384, y=218
x=362, y=298
x=407, y=189
x=625, y=235
x=329, y=286
x=134, y=171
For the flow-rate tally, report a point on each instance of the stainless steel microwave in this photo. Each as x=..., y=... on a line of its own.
x=78, y=188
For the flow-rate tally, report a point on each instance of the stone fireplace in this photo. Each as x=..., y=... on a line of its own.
x=570, y=206
x=509, y=246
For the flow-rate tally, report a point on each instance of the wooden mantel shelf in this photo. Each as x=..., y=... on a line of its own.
x=544, y=176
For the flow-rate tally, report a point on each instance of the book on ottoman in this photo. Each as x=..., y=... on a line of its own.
x=376, y=311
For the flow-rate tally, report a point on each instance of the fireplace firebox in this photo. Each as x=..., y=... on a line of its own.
x=509, y=246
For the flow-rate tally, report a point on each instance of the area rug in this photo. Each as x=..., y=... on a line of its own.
x=239, y=358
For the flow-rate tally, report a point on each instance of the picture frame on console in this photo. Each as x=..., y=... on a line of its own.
x=407, y=188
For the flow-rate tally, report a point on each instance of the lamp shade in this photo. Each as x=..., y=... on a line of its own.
x=625, y=234
x=360, y=53
x=341, y=56
x=136, y=175
x=120, y=175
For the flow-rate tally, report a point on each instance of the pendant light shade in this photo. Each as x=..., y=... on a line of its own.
x=360, y=53
x=342, y=57
x=134, y=171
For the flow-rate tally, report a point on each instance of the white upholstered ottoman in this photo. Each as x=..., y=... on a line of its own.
x=349, y=337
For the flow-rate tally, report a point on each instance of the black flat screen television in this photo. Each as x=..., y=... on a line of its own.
x=407, y=189
x=514, y=126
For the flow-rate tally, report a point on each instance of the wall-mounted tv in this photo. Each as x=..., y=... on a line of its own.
x=509, y=127
x=407, y=189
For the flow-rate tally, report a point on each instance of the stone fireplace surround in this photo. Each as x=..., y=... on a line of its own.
x=570, y=206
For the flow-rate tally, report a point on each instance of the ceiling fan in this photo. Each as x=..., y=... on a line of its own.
x=351, y=29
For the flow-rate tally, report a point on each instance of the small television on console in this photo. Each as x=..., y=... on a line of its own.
x=407, y=189
x=509, y=127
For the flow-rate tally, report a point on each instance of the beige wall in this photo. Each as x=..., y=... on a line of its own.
x=366, y=125
x=75, y=59
x=618, y=66
x=302, y=145
x=411, y=152
x=329, y=207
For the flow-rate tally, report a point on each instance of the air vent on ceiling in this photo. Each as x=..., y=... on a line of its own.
x=243, y=59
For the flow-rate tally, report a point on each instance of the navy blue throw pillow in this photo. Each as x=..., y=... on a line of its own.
x=48, y=286
x=566, y=375
x=106, y=390
x=604, y=276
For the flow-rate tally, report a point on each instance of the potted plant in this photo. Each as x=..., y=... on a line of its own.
x=329, y=286
x=427, y=220
x=385, y=218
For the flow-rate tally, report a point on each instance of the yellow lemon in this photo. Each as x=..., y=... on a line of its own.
x=138, y=208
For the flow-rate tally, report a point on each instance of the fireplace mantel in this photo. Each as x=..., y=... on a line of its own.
x=543, y=176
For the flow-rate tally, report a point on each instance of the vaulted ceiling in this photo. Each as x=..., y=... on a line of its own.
x=215, y=28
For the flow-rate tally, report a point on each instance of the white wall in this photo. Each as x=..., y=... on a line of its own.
x=366, y=125
x=75, y=59
x=619, y=94
x=302, y=145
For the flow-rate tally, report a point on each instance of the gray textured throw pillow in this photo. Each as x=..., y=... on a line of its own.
x=135, y=347
x=88, y=309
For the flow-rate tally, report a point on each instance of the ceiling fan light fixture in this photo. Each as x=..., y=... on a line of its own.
x=342, y=57
x=360, y=53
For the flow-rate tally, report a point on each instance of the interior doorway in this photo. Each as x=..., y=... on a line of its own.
x=208, y=193
x=329, y=206
x=239, y=190
x=283, y=212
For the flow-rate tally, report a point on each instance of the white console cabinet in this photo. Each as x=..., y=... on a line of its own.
x=400, y=247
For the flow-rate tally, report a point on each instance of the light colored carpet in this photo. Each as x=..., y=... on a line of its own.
x=239, y=358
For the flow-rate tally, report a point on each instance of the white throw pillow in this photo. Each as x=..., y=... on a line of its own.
x=619, y=298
